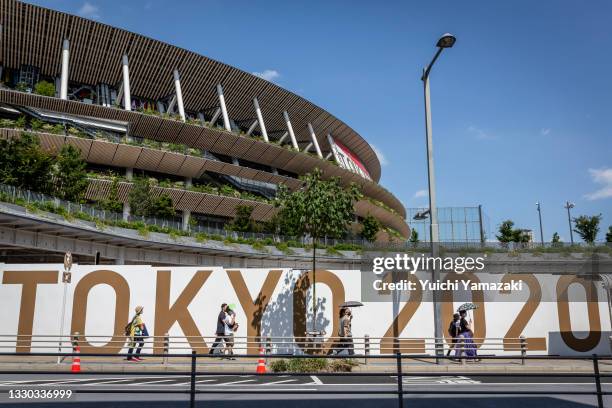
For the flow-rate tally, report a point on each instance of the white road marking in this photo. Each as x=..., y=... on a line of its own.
x=280, y=382
x=315, y=380
x=235, y=382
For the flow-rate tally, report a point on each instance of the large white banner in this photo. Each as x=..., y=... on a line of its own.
x=185, y=301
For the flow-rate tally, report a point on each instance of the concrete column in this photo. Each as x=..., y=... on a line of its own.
x=179, y=94
x=120, y=257
x=291, y=133
x=127, y=97
x=64, y=73
x=226, y=121
x=315, y=142
x=187, y=213
x=215, y=116
x=262, y=126
x=129, y=173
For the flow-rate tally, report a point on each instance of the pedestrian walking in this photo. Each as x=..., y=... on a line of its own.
x=230, y=326
x=137, y=332
x=453, y=331
x=219, y=332
x=465, y=338
x=345, y=332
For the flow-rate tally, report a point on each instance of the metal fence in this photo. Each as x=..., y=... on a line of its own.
x=398, y=358
x=455, y=224
x=96, y=213
x=273, y=345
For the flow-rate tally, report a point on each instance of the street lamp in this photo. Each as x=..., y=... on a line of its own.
x=540, y=216
x=66, y=279
x=446, y=41
x=568, y=206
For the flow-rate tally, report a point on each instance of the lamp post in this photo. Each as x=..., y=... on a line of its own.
x=446, y=41
x=568, y=206
x=540, y=217
x=66, y=279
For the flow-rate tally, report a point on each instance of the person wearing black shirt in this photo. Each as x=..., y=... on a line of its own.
x=220, y=332
x=453, y=331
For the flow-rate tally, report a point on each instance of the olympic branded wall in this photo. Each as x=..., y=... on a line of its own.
x=185, y=301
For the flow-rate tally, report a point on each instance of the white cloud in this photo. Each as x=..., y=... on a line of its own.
x=89, y=10
x=479, y=133
x=381, y=157
x=601, y=176
x=420, y=194
x=268, y=74
x=545, y=131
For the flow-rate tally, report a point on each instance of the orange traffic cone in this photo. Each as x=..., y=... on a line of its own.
x=76, y=361
x=261, y=363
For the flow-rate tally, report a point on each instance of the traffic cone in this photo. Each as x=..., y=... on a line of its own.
x=76, y=361
x=261, y=364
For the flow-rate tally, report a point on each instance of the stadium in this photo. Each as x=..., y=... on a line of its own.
x=209, y=136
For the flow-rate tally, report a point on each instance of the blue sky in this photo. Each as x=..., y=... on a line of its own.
x=519, y=105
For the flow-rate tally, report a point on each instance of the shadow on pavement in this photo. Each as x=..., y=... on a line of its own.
x=310, y=402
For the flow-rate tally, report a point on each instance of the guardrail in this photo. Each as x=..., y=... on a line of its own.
x=272, y=345
x=398, y=358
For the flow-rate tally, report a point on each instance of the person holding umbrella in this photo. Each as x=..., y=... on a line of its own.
x=466, y=335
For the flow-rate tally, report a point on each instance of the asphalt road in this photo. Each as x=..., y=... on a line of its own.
x=241, y=391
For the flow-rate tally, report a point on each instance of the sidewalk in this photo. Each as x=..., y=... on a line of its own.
x=108, y=364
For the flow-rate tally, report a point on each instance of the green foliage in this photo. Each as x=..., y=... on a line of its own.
x=112, y=203
x=279, y=366
x=414, y=236
x=69, y=175
x=22, y=87
x=556, y=239
x=508, y=234
x=44, y=88
x=20, y=122
x=320, y=208
x=307, y=365
x=242, y=221
x=140, y=197
x=162, y=207
x=587, y=227
x=609, y=234
x=370, y=227
x=36, y=124
x=24, y=164
x=342, y=365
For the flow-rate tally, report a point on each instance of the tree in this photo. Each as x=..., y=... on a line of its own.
x=609, y=234
x=140, y=197
x=44, y=88
x=370, y=227
x=112, y=203
x=242, y=221
x=24, y=164
x=556, y=239
x=143, y=204
x=506, y=233
x=162, y=207
x=321, y=208
x=69, y=175
x=414, y=236
x=587, y=227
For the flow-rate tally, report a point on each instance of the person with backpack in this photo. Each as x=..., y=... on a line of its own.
x=453, y=332
x=220, y=332
x=136, y=330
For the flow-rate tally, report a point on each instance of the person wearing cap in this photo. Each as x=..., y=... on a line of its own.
x=137, y=334
x=220, y=332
